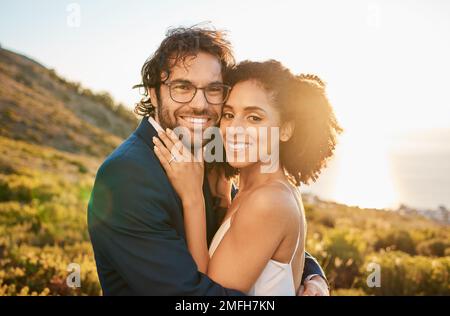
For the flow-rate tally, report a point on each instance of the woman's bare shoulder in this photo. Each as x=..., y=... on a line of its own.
x=272, y=203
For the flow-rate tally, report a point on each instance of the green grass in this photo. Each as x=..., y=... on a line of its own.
x=413, y=252
x=43, y=229
x=43, y=220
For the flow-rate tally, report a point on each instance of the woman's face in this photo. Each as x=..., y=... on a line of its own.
x=249, y=125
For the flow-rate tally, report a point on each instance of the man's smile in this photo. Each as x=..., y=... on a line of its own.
x=194, y=121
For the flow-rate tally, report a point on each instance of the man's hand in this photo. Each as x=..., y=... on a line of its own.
x=317, y=286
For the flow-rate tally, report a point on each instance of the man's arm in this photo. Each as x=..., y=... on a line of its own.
x=312, y=268
x=313, y=284
x=130, y=227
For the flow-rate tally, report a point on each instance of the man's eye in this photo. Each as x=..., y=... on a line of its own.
x=215, y=89
x=182, y=87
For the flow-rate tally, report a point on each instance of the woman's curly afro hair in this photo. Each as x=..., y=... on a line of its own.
x=301, y=99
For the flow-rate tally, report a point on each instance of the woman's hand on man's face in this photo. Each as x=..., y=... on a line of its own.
x=184, y=170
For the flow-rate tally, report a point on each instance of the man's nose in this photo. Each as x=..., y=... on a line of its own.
x=199, y=102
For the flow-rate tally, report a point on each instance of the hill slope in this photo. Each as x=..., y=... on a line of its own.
x=53, y=136
x=39, y=107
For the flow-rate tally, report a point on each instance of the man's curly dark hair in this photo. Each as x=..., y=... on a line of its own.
x=180, y=43
x=302, y=99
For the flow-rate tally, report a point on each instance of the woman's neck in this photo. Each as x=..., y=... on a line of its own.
x=251, y=176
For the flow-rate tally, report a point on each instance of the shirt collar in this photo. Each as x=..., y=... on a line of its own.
x=155, y=124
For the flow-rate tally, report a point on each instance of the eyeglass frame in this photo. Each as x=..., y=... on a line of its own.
x=169, y=83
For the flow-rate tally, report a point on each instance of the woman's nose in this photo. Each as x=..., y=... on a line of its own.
x=237, y=122
x=236, y=130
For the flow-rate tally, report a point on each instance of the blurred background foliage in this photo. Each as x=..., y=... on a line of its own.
x=413, y=252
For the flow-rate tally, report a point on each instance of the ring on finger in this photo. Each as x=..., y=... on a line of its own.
x=172, y=159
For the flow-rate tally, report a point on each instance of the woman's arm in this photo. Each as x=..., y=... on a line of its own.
x=263, y=221
x=186, y=173
x=195, y=227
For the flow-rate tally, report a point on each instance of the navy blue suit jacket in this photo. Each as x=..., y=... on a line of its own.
x=135, y=221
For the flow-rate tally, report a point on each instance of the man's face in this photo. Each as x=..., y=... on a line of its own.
x=196, y=115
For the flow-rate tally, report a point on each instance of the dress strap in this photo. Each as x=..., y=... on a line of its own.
x=296, y=246
x=230, y=217
x=298, y=205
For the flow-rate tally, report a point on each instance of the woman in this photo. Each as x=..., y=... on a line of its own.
x=259, y=248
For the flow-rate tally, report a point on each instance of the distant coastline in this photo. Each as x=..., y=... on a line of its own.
x=440, y=215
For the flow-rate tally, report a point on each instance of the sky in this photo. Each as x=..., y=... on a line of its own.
x=385, y=62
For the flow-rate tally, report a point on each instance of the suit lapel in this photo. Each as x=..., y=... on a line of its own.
x=146, y=131
x=212, y=218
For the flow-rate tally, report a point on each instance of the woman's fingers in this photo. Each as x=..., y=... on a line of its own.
x=164, y=162
x=170, y=144
x=166, y=140
x=163, y=151
x=171, y=134
x=178, y=145
x=175, y=148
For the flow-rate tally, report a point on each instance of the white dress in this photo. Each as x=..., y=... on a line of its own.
x=277, y=278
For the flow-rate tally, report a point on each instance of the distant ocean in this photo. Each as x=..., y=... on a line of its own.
x=403, y=168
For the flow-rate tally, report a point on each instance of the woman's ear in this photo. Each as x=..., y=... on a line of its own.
x=287, y=130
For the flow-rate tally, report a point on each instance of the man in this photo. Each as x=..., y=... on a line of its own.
x=134, y=216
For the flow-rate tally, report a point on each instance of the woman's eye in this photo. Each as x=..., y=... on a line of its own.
x=227, y=116
x=254, y=118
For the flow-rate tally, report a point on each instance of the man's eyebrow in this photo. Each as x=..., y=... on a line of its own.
x=182, y=80
x=216, y=82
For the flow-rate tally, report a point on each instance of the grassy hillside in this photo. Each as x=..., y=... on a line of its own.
x=43, y=198
x=53, y=136
x=39, y=107
x=413, y=252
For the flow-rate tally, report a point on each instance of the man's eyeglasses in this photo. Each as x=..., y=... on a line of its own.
x=185, y=91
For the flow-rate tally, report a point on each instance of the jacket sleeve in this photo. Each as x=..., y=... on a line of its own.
x=130, y=226
x=312, y=267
